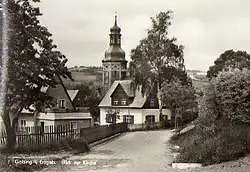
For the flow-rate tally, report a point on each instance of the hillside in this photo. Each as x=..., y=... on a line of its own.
x=197, y=74
x=84, y=74
x=87, y=74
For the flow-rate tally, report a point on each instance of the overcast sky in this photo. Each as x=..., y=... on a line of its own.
x=80, y=28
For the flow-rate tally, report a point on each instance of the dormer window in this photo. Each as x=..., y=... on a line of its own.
x=123, y=102
x=152, y=103
x=23, y=123
x=61, y=103
x=115, y=102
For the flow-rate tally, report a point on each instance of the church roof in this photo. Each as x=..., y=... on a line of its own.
x=115, y=52
x=115, y=28
x=138, y=101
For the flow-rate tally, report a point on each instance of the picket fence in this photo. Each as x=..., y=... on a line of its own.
x=38, y=137
x=52, y=136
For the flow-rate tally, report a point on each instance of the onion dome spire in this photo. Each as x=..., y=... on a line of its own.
x=115, y=52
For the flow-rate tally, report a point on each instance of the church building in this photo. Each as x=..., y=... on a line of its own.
x=122, y=101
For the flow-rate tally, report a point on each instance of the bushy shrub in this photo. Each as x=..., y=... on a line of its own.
x=3, y=161
x=189, y=116
x=222, y=131
x=209, y=146
x=180, y=99
x=233, y=94
x=78, y=144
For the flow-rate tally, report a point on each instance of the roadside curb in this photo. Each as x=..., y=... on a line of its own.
x=104, y=140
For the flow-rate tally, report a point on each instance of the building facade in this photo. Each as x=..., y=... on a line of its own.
x=63, y=111
x=125, y=103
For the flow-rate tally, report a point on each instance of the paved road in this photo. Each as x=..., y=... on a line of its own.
x=131, y=152
x=139, y=152
x=135, y=151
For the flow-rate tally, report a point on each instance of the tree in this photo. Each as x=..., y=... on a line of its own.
x=180, y=99
x=229, y=59
x=157, y=58
x=233, y=95
x=89, y=96
x=34, y=63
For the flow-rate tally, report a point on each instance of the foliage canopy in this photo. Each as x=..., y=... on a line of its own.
x=34, y=63
x=157, y=55
x=229, y=59
x=233, y=94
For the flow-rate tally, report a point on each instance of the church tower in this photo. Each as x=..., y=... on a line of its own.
x=114, y=63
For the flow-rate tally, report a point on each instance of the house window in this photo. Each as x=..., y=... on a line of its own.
x=150, y=119
x=152, y=103
x=42, y=127
x=61, y=103
x=74, y=125
x=163, y=117
x=23, y=123
x=123, y=102
x=129, y=119
x=115, y=102
x=111, y=118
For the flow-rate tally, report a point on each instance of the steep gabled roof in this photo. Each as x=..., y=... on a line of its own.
x=127, y=87
x=138, y=99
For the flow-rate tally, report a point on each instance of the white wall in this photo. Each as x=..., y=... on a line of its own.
x=154, y=112
x=62, y=116
x=29, y=118
x=103, y=116
x=49, y=118
x=139, y=114
x=2, y=126
x=84, y=120
x=167, y=112
x=46, y=122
